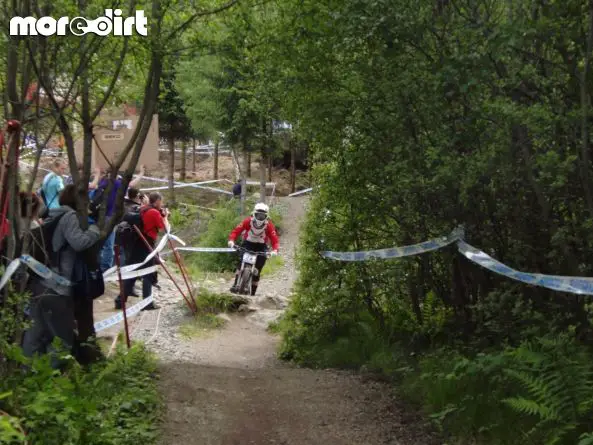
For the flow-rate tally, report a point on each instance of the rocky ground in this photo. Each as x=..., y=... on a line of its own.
x=226, y=386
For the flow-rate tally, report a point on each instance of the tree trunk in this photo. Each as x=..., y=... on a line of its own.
x=216, y=160
x=248, y=166
x=270, y=165
x=585, y=161
x=236, y=163
x=262, y=178
x=243, y=195
x=292, y=145
x=183, y=152
x=193, y=156
x=171, y=142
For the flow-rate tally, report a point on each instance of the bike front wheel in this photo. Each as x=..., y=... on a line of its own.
x=245, y=286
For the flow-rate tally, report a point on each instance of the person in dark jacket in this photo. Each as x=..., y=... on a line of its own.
x=237, y=190
x=52, y=304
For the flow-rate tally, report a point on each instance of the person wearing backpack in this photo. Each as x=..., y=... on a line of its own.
x=150, y=220
x=52, y=184
x=98, y=199
x=54, y=305
x=125, y=234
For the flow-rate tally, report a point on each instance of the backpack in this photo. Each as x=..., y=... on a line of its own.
x=86, y=276
x=97, y=199
x=125, y=234
x=41, y=236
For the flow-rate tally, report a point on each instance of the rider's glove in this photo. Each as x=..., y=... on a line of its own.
x=231, y=244
x=274, y=253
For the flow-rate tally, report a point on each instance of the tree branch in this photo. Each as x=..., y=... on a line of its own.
x=188, y=22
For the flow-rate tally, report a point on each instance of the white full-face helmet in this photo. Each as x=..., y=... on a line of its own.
x=260, y=215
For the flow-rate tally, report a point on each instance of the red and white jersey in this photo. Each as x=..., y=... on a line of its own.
x=265, y=235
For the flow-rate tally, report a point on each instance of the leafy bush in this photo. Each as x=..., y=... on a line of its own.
x=115, y=402
x=538, y=393
x=557, y=380
x=463, y=395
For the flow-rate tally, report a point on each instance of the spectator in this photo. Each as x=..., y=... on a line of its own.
x=53, y=305
x=107, y=249
x=53, y=183
x=133, y=200
x=70, y=179
x=132, y=204
x=237, y=190
x=33, y=217
x=154, y=218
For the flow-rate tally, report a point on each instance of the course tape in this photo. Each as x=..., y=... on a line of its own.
x=301, y=192
x=43, y=271
x=396, y=252
x=132, y=274
x=268, y=184
x=575, y=285
x=202, y=249
x=199, y=185
x=119, y=317
x=131, y=267
x=40, y=269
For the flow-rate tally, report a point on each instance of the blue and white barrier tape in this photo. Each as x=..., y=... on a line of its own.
x=119, y=317
x=202, y=249
x=188, y=184
x=575, y=285
x=40, y=269
x=300, y=192
x=396, y=252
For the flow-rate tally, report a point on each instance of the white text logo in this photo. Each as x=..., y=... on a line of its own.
x=113, y=23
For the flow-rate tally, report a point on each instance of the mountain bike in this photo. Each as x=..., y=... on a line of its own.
x=248, y=269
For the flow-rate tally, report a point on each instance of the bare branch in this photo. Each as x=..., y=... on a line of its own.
x=114, y=78
x=188, y=22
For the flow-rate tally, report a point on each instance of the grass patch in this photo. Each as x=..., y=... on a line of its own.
x=275, y=327
x=209, y=302
x=273, y=265
x=201, y=325
x=182, y=217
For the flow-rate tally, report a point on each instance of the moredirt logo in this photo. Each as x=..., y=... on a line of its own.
x=111, y=24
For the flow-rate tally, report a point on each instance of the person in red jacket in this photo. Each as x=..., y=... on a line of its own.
x=257, y=231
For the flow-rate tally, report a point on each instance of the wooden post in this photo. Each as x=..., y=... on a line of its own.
x=122, y=297
x=216, y=159
x=292, y=146
x=243, y=193
x=262, y=179
x=185, y=275
x=183, y=151
x=194, y=156
x=160, y=263
x=171, y=142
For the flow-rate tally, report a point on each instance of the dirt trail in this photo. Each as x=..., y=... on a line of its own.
x=229, y=389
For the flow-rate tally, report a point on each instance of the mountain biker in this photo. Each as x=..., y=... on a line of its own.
x=257, y=231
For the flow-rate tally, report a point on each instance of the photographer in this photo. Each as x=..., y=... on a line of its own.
x=154, y=218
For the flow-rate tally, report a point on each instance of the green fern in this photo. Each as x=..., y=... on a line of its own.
x=558, y=380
